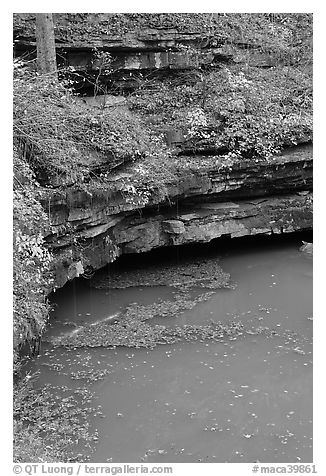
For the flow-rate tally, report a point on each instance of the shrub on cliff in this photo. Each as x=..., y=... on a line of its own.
x=65, y=141
x=32, y=276
x=247, y=113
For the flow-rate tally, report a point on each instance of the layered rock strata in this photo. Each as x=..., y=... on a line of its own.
x=93, y=228
x=92, y=224
x=143, y=43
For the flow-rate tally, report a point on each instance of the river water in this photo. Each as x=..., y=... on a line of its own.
x=243, y=399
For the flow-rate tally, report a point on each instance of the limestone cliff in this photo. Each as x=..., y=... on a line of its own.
x=90, y=229
x=159, y=69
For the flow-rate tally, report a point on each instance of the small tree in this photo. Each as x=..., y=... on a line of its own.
x=44, y=31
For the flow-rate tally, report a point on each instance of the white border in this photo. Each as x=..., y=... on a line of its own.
x=319, y=183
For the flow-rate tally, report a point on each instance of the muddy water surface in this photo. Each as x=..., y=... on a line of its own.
x=245, y=398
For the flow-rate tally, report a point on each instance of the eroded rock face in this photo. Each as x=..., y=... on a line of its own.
x=92, y=225
x=135, y=234
x=200, y=179
x=93, y=229
x=146, y=42
x=212, y=220
x=142, y=44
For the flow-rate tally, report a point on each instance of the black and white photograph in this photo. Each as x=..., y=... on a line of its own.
x=162, y=241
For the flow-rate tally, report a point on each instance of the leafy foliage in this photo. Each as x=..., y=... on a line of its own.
x=65, y=141
x=50, y=424
x=247, y=114
x=32, y=276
